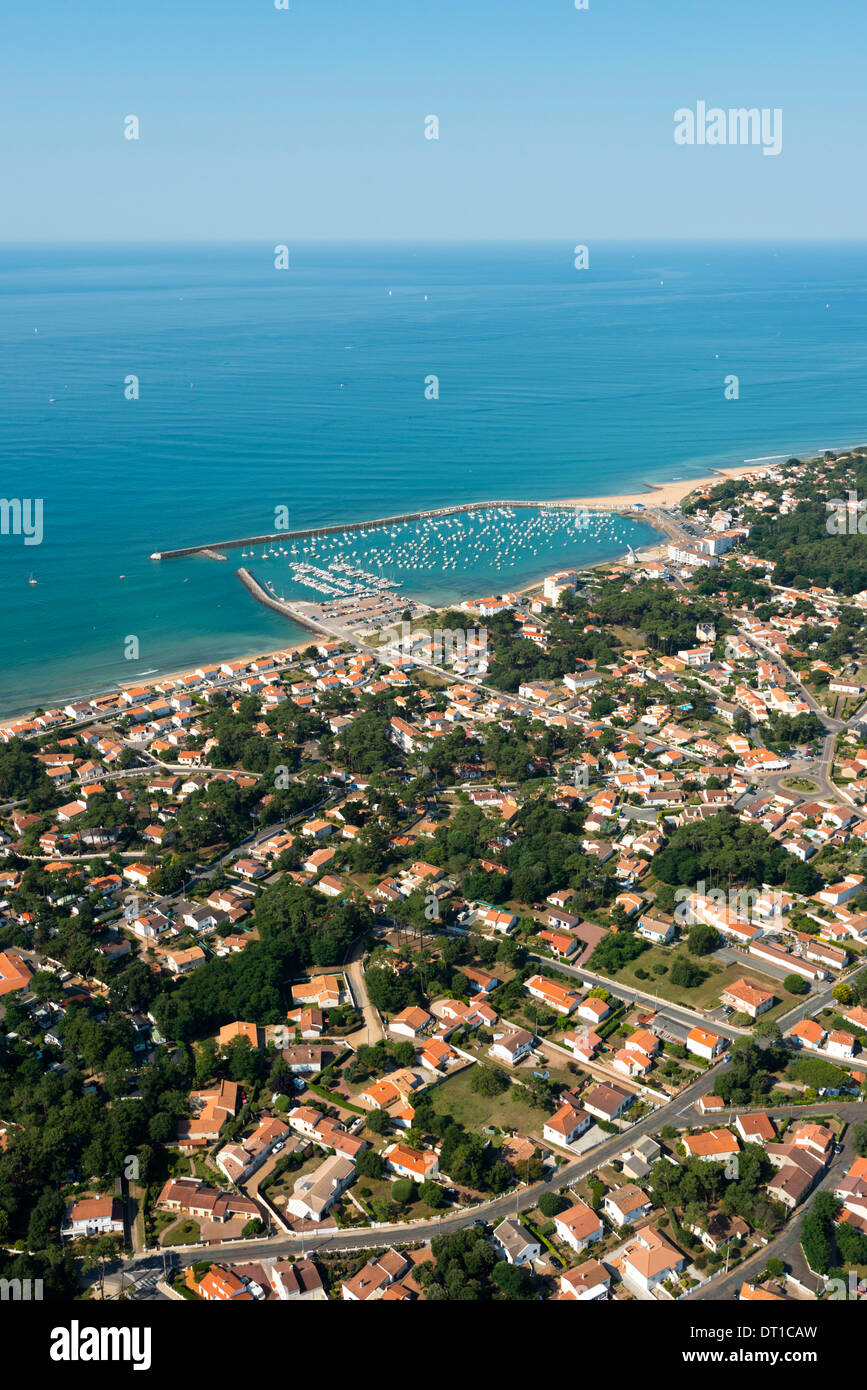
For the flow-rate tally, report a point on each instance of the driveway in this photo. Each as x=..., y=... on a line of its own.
x=372, y=1030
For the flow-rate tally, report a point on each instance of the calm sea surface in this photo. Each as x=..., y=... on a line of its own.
x=305, y=389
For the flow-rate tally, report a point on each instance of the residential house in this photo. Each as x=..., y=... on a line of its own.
x=607, y=1102
x=578, y=1226
x=627, y=1204
x=515, y=1243
x=512, y=1047
x=566, y=1125
x=586, y=1283
x=315, y=1193
x=94, y=1216
x=649, y=1259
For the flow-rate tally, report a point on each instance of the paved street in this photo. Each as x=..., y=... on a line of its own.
x=490, y=1211
x=786, y=1245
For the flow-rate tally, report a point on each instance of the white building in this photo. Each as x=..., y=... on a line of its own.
x=94, y=1216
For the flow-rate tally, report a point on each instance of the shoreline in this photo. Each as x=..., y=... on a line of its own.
x=153, y=678
x=288, y=650
x=672, y=493
x=663, y=495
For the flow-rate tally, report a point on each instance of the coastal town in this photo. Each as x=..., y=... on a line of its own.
x=517, y=951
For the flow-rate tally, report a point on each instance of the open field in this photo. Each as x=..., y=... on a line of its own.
x=704, y=996
x=454, y=1097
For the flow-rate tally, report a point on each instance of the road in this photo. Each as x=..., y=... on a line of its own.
x=235, y=852
x=681, y=1012
x=493, y=1211
x=786, y=1245
x=373, y=1030
x=820, y=771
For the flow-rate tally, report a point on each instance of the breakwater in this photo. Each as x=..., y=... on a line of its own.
x=261, y=595
x=210, y=547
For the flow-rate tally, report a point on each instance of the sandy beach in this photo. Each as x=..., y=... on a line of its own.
x=277, y=654
x=669, y=494
x=282, y=655
x=673, y=493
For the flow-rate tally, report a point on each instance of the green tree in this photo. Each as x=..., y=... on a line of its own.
x=796, y=984
x=551, y=1204
x=685, y=974
x=511, y=1280
x=369, y=1164
x=702, y=939
x=378, y=1121
x=488, y=1081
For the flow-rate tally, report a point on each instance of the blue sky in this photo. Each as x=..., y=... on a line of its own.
x=308, y=124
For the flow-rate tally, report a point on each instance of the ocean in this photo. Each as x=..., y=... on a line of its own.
x=309, y=389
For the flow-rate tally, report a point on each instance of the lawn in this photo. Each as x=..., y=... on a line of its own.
x=630, y=637
x=186, y=1232
x=454, y=1097
x=704, y=996
x=283, y=1186
x=380, y=1195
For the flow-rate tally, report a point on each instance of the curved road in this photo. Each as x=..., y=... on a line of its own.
x=417, y=1232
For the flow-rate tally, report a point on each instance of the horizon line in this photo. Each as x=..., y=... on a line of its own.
x=547, y=240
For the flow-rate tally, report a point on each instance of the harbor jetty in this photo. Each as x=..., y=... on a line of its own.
x=213, y=549
x=279, y=605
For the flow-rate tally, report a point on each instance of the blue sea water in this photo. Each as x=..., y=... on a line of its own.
x=306, y=389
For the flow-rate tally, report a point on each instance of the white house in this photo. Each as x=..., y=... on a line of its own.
x=703, y=1043
x=567, y=1125
x=578, y=1226
x=516, y=1244
x=626, y=1205
x=512, y=1047
x=649, y=1260
x=656, y=929
x=94, y=1216
x=315, y=1192
x=586, y=1283
x=410, y=1022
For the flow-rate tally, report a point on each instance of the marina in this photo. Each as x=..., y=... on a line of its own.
x=368, y=559
x=578, y=511
x=347, y=617
x=373, y=575
x=362, y=577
